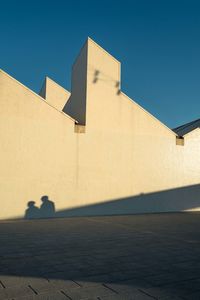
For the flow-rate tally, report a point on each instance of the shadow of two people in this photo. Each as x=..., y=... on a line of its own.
x=46, y=210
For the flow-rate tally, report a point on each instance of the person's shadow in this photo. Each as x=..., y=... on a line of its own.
x=32, y=212
x=46, y=210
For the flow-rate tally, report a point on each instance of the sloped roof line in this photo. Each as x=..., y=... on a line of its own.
x=38, y=96
x=186, y=128
x=148, y=113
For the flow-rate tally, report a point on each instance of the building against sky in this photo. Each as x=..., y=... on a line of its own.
x=93, y=151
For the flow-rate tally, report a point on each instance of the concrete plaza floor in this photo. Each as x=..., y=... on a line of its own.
x=155, y=256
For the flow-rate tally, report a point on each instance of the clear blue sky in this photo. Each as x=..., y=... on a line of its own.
x=157, y=42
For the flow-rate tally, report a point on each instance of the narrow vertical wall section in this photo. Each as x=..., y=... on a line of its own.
x=76, y=105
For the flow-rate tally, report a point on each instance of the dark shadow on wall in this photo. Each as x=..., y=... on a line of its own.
x=173, y=200
x=46, y=210
x=178, y=199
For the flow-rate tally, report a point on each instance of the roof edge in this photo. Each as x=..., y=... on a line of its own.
x=38, y=96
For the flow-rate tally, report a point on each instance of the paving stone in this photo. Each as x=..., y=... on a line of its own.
x=45, y=296
x=82, y=293
x=161, y=293
x=133, y=296
x=11, y=281
x=93, y=280
x=124, y=289
x=41, y=286
x=163, y=279
x=170, y=298
x=15, y=291
x=119, y=297
x=132, y=285
x=63, y=284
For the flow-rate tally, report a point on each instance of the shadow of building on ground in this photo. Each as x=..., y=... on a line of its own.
x=152, y=253
x=138, y=252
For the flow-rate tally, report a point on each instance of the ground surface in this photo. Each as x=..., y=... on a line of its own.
x=140, y=257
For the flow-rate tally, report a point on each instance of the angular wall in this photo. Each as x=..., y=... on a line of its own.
x=37, y=152
x=54, y=94
x=103, y=154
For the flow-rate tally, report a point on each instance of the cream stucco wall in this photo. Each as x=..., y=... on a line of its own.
x=125, y=161
x=54, y=94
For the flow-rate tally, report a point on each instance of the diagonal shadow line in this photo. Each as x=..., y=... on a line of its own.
x=177, y=199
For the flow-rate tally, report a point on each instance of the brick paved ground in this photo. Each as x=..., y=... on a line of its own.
x=140, y=257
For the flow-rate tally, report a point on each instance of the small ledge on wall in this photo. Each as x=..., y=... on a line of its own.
x=180, y=141
x=79, y=128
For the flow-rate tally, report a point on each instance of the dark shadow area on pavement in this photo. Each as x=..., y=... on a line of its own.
x=152, y=253
x=155, y=253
